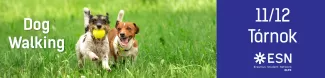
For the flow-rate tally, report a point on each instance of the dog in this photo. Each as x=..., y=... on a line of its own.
x=122, y=40
x=90, y=47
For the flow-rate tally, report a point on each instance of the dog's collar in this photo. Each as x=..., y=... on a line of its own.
x=121, y=48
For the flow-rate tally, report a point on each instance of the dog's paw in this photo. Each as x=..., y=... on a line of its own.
x=80, y=65
x=93, y=57
x=109, y=70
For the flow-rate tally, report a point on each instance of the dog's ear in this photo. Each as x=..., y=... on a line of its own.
x=106, y=30
x=107, y=18
x=117, y=22
x=137, y=28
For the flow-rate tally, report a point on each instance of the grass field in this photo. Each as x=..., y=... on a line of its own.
x=177, y=38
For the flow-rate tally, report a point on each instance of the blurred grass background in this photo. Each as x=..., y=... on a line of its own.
x=177, y=37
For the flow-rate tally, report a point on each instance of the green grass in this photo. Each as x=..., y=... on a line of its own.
x=177, y=38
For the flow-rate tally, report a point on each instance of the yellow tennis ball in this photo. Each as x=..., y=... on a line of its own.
x=99, y=33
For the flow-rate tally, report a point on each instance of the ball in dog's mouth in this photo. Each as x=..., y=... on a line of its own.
x=99, y=33
x=124, y=41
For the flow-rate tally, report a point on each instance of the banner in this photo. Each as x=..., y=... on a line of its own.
x=270, y=39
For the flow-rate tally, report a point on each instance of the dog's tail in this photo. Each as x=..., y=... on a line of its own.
x=86, y=18
x=120, y=16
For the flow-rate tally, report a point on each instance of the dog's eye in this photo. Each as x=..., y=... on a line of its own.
x=94, y=20
x=128, y=28
x=105, y=21
x=118, y=29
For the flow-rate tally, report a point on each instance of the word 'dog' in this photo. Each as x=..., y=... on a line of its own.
x=36, y=25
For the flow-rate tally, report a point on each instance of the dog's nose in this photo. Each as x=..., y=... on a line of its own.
x=99, y=26
x=122, y=34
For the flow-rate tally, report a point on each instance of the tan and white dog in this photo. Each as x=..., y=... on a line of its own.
x=122, y=39
x=93, y=48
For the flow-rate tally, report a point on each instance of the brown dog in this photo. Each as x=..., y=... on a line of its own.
x=122, y=40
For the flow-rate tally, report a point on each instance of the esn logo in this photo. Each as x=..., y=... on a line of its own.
x=273, y=58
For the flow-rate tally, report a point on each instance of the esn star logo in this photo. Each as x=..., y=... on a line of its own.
x=259, y=58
